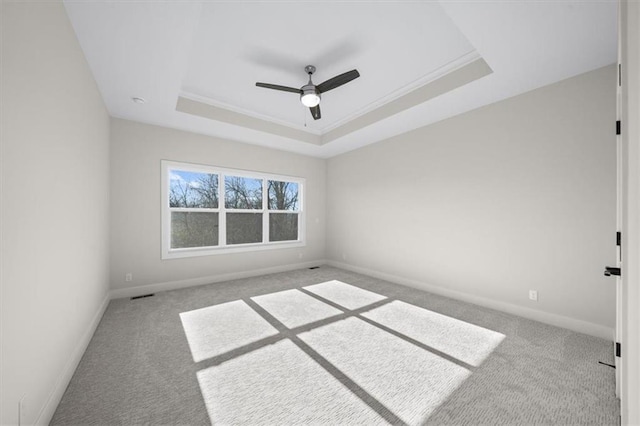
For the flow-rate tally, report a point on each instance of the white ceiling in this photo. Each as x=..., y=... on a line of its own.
x=213, y=53
x=267, y=42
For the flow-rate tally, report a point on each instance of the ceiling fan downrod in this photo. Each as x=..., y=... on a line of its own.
x=310, y=96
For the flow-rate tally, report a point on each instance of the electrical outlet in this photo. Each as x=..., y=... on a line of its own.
x=128, y=276
x=533, y=295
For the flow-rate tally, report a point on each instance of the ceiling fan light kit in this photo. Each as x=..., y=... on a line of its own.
x=310, y=93
x=309, y=97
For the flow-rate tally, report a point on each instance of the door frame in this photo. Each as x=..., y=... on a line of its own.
x=630, y=143
x=619, y=211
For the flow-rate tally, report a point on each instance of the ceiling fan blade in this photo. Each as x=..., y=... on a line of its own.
x=315, y=112
x=277, y=87
x=337, y=81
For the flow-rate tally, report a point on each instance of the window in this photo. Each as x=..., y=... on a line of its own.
x=208, y=210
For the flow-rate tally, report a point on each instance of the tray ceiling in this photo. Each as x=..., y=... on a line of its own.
x=196, y=63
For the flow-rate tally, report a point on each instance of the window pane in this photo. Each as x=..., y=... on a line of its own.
x=243, y=193
x=190, y=229
x=283, y=226
x=190, y=189
x=283, y=195
x=243, y=228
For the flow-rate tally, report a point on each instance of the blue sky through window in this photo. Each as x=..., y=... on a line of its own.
x=243, y=192
x=193, y=189
x=183, y=177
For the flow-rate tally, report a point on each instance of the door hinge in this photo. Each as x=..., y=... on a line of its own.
x=618, y=350
x=618, y=128
x=620, y=75
x=618, y=238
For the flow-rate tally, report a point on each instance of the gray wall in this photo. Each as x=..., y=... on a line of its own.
x=55, y=177
x=514, y=196
x=136, y=152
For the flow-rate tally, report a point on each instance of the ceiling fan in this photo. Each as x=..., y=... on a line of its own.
x=310, y=93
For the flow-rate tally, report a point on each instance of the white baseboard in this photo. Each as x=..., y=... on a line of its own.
x=49, y=408
x=192, y=282
x=545, y=317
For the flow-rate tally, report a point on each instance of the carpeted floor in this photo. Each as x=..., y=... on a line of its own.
x=328, y=346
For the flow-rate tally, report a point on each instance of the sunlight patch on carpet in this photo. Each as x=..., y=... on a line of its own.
x=221, y=328
x=408, y=380
x=293, y=308
x=467, y=342
x=343, y=294
x=279, y=385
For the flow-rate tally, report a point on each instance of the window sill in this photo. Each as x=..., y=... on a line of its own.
x=240, y=248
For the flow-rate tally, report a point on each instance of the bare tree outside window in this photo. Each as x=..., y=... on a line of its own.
x=193, y=190
x=199, y=191
x=282, y=195
x=208, y=208
x=192, y=229
x=242, y=193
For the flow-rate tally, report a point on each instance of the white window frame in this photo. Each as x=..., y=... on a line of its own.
x=222, y=247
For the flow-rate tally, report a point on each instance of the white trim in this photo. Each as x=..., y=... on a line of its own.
x=630, y=116
x=216, y=103
x=231, y=248
x=265, y=217
x=222, y=218
x=439, y=72
x=552, y=319
x=619, y=215
x=432, y=76
x=119, y=293
x=49, y=408
x=196, y=210
x=168, y=253
x=231, y=210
